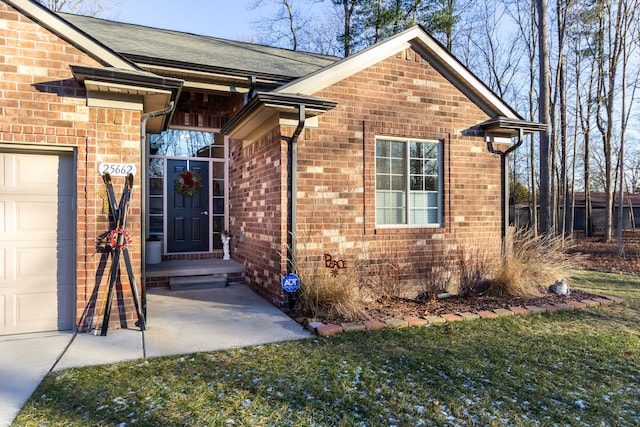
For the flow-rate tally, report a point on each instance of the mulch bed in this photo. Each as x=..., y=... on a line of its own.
x=404, y=308
x=597, y=256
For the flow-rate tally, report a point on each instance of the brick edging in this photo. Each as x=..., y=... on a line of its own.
x=331, y=329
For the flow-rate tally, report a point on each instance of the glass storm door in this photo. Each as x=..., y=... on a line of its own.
x=187, y=217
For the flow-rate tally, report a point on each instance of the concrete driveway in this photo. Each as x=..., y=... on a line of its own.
x=178, y=323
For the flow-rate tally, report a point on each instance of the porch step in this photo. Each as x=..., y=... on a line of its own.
x=209, y=281
x=194, y=273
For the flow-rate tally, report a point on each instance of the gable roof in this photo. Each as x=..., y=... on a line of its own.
x=118, y=78
x=71, y=34
x=430, y=49
x=179, y=50
x=218, y=64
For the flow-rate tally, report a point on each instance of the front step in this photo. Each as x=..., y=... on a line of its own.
x=210, y=281
x=198, y=273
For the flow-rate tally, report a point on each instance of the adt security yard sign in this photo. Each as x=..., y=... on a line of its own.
x=290, y=282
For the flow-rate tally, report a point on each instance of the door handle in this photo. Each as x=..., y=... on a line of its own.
x=204, y=213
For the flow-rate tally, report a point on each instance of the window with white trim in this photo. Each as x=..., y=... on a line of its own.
x=408, y=182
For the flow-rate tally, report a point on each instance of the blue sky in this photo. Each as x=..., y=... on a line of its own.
x=231, y=19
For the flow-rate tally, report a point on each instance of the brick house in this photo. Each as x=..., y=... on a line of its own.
x=395, y=151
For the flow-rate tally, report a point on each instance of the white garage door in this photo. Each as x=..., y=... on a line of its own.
x=37, y=262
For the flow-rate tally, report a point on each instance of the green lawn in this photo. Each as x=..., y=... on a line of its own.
x=571, y=368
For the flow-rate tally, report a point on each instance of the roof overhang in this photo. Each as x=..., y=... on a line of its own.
x=507, y=127
x=208, y=77
x=268, y=109
x=70, y=33
x=503, y=130
x=131, y=90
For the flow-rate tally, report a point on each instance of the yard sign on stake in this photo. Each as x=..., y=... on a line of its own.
x=290, y=282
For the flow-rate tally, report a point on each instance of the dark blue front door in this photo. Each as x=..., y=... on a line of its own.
x=187, y=217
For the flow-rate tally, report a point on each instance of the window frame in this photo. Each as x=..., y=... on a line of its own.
x=407, y=179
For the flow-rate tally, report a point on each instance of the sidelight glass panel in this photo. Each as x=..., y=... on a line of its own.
x=204, y=153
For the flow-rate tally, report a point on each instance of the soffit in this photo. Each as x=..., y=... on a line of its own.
x=120, y=83
x=268, y=109
x=129, y=89
x=510, y=128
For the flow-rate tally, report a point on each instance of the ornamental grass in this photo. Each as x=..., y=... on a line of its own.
x=531, y=265
x=332, y=294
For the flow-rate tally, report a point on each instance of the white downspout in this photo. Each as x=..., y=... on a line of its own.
x=144, y=182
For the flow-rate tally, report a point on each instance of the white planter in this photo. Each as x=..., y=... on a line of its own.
x=153, y=252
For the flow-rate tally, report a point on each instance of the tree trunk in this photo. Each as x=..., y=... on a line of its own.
x=546, y=224
x=629, y=28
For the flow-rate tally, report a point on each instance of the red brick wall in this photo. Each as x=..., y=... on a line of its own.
x=204, y=110
x=258, y=211
x=401, y=96
x=42, y=105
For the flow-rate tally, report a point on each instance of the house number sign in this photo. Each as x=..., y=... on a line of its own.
x=117, y=169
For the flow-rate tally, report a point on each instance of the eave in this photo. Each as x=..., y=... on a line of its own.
x=507, y=127
x=138, y=90
x=203, y=77
x=268, y=109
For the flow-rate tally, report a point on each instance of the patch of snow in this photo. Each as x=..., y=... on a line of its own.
x=580, y=404
x=119, y=401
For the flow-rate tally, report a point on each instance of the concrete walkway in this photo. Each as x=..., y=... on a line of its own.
x=178, y=323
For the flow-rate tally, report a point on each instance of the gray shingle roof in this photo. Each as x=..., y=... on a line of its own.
x=199, y=52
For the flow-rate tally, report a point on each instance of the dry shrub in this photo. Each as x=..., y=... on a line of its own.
x=531, y=265
x=434, y=280
x=383, y=274
x=436, y=275
x=474, y=267
x=327, y=295
x=380, y=279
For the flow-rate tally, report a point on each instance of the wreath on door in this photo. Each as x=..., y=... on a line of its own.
x=188, y=183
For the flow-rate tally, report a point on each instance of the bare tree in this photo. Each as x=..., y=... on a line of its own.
x=81, y=7
x=288, y=27
x=563, y=27
x=611, y=40
x=546, y=208
x=586, y=99
x=634, y=172
x=348, y=37
x=524, y=17
x=629, y=38
x=497, y=53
